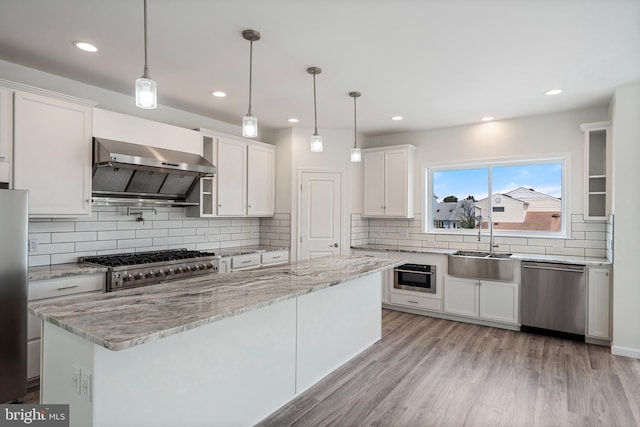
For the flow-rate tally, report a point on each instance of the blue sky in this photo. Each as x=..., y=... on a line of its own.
x=545, y=178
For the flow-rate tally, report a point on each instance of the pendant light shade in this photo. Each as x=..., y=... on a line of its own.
x=250, y=122
x=146, y=92
x=316, y=140
x=356, y=154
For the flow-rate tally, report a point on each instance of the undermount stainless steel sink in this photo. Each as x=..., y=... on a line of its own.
x=481, y=265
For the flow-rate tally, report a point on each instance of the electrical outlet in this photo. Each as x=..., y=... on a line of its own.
x=85, y=386
x=33, y=245
x=75, y=380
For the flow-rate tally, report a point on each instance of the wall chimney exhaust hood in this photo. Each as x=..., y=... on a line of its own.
x=139, y=175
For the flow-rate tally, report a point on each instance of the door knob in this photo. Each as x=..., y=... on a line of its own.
x=335, y=245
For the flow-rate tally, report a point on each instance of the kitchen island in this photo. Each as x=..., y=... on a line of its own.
x=210, y=350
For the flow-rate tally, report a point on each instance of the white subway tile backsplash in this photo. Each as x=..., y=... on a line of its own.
x=110, y=230
x=49, y=227
x=96, y=226
x=591, y=239
x=78, y=236
x=116, y=235
x=96, y=245
x=141, y=234
x=134, y=243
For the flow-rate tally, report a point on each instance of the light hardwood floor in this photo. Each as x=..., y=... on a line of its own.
x=434, y=372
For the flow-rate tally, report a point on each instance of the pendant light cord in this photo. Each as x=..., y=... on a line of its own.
x=145, y=73
x=355, y=125
x=315, y=109
x=250, y=72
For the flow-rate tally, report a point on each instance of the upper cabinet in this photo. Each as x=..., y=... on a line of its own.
x=6, y=133
x=244, y=184
x=50, y=148
x=597, y=170
x=388, y=181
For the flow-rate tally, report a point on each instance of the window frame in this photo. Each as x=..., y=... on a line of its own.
x=428, y=169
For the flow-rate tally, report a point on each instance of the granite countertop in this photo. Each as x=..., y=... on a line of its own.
x=63, y=270
x=564, y=259
x=406, y=249
x=244, y=250
x=123, y=319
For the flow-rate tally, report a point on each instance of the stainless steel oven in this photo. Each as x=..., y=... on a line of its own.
x=415, y=277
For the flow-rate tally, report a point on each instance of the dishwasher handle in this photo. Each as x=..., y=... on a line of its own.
x=555, y=267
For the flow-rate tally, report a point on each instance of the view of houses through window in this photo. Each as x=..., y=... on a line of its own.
x=522, y=196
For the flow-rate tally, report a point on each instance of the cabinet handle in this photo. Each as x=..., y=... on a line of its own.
x=413, y=302
x=66, y=287
x=219, y=206
x=246, y=262
x=276, y=257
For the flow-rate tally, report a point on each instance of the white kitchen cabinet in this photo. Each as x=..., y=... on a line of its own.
x=597, y=170
x=232, y=178
x=599, y=303
x=388, y=182
x=56, y=288
x=261, y=173
x=52, y=155
x=482, y=299
x=6, y=133
x=461, y=296
x=275, y=258
x=244, y=184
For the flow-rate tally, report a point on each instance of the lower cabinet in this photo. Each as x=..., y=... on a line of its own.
x=599, y=303
x=482, y=299
x=47, y=289
x=254, y=260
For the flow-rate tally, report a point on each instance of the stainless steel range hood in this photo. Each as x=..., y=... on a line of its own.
x=139, y=175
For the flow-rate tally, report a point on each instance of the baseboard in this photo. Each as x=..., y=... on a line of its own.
x=625, y=351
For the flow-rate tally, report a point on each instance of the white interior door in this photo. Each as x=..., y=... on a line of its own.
x=320, y=214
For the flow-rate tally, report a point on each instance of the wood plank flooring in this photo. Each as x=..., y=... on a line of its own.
x=435, y=372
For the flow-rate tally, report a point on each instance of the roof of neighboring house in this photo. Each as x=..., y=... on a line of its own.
x=529, y=193
x=535, y=221
x=450, y=211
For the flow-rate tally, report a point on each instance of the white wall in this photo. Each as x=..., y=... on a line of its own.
x=529, y=136
x=626, y=208
x=293, y=152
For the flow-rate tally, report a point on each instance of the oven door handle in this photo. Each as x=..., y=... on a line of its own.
x=426, y=273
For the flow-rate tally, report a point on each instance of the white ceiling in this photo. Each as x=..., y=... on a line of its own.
x=437, y=63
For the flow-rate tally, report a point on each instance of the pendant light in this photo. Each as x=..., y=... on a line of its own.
x=356, y=154
x=249, y=122
x=146, y=93
x=316, y=140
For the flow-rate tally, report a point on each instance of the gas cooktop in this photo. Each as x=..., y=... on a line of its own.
x=130, y=270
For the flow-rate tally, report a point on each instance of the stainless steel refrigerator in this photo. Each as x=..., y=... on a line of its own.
x=14, y=224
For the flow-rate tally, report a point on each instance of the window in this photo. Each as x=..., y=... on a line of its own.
x=522, y=197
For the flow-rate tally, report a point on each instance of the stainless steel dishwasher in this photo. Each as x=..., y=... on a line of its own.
x=553, y=299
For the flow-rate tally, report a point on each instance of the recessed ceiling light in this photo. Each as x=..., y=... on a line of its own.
x=292, y=120
x=553, y=92
x=87, y=47
x=218, y=94
x=487, y=118
x=396, y=118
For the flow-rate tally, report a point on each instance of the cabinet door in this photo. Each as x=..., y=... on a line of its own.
x=52, y=155
x=261, y=162
x=598, y=301
x=396, y=189
x=232, y=173
x=499, y=301
x=461, y=296
x=374, y=183
x=6, y=115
